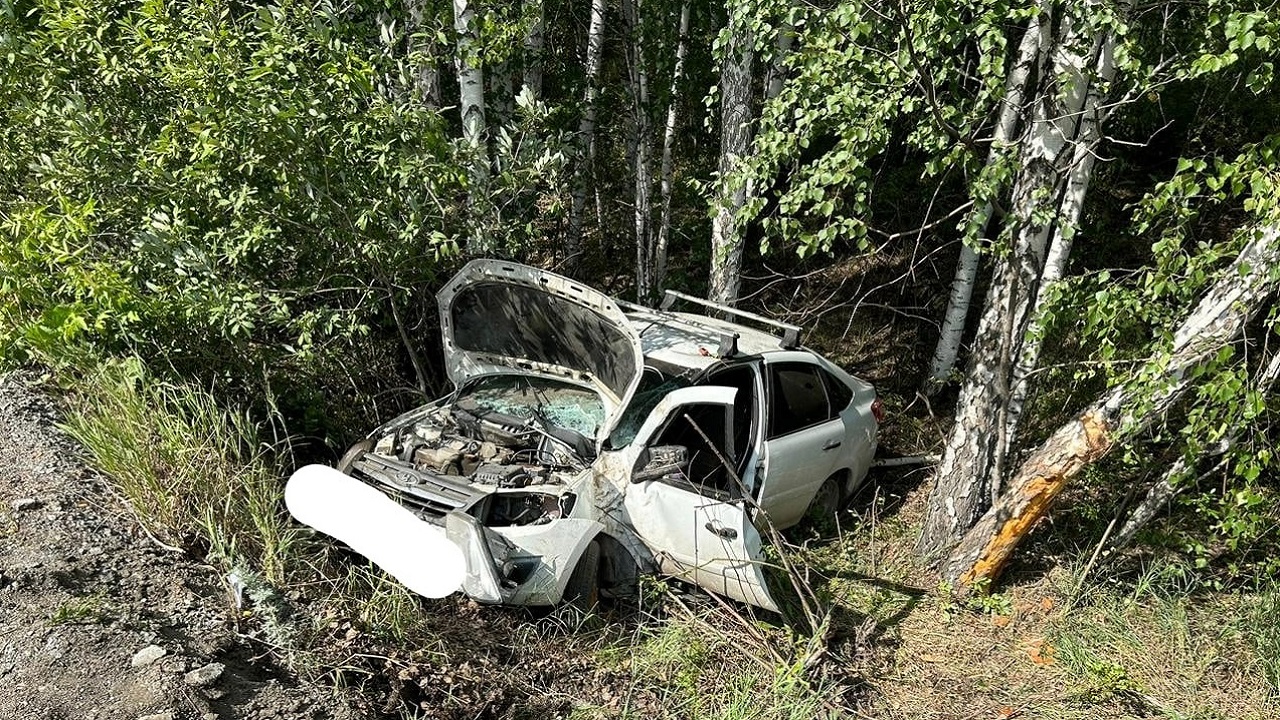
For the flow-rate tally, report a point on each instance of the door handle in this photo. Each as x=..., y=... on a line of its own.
x=722, y=531
x=830, y=445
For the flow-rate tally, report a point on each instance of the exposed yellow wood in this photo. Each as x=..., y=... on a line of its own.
x=1034, y=489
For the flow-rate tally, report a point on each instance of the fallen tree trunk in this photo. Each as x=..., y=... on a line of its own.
x=1120, y=413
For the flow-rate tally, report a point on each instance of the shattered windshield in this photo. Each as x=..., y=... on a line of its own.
x=524, y=396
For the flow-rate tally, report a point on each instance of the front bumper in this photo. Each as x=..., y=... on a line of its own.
x=519, y=565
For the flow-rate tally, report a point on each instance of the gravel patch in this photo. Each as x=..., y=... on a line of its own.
x=97, y=621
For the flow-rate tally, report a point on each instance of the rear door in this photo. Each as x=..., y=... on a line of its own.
x=686, y=499
x=804, y=438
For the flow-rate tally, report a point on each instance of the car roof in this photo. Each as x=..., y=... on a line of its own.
x=693, y=341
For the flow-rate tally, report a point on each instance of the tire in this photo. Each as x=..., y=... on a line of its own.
x=821, y=514
x=349, y=458
x=583, y=588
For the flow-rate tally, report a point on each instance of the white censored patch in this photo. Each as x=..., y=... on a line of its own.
x=412, y=551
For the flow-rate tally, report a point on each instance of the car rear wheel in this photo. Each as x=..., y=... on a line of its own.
x=821, y=515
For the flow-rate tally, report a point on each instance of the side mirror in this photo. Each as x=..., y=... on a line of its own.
x=660, y=461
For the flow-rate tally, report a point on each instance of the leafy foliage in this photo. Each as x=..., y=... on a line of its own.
x=921, y=79
x=220, y=186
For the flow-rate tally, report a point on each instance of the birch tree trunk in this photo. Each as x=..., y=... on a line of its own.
x=1084, y=127
x=586, y=139
x=735, y=141
x=1056, y=162
x=1120, y=413
x=777, y=72
x=474, y=130
x=424, y=56
x=1006, y=133
x=1177, y=477
x=641, y=151
x=533, y=41
x=668, y=141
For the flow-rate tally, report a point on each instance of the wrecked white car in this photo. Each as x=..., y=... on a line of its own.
x=589, y=439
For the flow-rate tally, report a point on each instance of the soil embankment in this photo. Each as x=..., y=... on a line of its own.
x=99, y=622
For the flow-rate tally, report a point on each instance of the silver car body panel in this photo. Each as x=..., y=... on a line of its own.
x=550, y=552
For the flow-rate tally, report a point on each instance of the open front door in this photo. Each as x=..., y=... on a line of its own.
x=684, y=502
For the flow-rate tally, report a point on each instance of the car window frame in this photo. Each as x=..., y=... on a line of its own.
x=831, y=379
x=771, y=391
x=683, y=482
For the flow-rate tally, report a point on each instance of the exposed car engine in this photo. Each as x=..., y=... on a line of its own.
x=451, y=459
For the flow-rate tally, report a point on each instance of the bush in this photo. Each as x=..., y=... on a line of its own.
x=227, y=189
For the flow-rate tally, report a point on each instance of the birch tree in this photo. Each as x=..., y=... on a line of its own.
x=737, y=58
x=424, y=55
x=586, y=139
x=640, y=143
x=1076, y=64
x=1184, y=470
x=535, y=16
x=1006, y=134
x=1122, y=412
x=471, y=107
x=667, y=168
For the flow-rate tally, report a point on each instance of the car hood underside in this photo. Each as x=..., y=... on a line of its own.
x=499, y=317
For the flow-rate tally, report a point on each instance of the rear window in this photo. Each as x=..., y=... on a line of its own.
x=839, y=393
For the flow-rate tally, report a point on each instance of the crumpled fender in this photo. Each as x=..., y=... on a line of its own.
x=557, y=545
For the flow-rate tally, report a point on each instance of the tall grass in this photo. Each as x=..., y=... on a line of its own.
x=703, y=666
x=1167, y=643
x=193, y=471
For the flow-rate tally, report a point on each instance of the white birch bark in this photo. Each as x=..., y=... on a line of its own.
x=735, y=141
x=471, y=106
x=1122, y=412
x=1056, y=162
x=1176, y=477
x=960, y=494
x=586, y=140
x=1082, y=123
x=666, y=169
x=533, y=41
x=1006, y=132
x=470, y=81
x=641, y=151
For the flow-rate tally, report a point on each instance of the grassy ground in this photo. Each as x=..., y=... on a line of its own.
x=1147, y=643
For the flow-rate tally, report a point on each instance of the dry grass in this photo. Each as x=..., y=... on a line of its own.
x=1160, y=646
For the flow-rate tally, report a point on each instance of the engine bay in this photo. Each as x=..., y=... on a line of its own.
x=436, y=462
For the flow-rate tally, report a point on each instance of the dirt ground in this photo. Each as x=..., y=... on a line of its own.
x=96, y=619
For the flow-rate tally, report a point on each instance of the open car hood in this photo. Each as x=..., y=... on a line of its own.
x=499, y=316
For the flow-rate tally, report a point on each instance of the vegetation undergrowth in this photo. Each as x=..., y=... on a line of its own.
x=1163, y=642
x=195, y=474
x=700, y=661
x=1168, y=643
